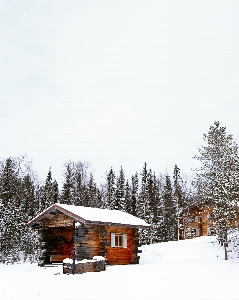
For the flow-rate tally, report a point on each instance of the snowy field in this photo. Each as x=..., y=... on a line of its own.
x=191, y=269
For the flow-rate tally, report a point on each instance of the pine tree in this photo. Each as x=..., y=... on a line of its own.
x=218, y=178
x=158, y=226
x=110, y=190
x=29, y=239
x=80, y=183
x=75, y=186
x=17, y=206
x=48, y=194
x=93, y=194
x=128, y=203
x=170, y=213
x=144, y=209
x=55, y=192
x=10, y=211
x=79, y=189
x=28, y=202
x=134, y=194
x=178, y=197
x=156, y=212
x=152, y=197
x=67, y=195
x=10, y=183
x=120, y=192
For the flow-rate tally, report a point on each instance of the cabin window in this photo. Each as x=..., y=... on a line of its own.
x=208, y=216
x=211, y=231
x=191, y=232
x=119, y=240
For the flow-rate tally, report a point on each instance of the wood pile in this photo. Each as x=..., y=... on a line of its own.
x=83, y=266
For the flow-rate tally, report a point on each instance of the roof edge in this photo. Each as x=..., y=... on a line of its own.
x=59, y=208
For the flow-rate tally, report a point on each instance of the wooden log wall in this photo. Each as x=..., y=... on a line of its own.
x=119, y=255
x=84, y=267
x=56, y=238
x=204, y=222
x=87, y=242
x=207, y=221
x=57, y=234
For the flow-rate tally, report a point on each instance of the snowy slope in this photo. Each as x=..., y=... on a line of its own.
x=191, y=269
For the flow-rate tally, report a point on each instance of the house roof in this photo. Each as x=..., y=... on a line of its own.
x=89, y=215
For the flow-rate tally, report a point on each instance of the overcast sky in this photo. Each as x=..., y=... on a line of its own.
x=117, y=82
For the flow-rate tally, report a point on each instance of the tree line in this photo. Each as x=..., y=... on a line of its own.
x=159, y=199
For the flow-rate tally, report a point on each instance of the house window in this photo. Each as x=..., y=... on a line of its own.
x=118, y=240
x=192, y=232
x=208, y=216
x=211, y=231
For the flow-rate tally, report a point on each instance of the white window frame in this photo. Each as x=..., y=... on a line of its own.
x=124, y=240
x=208, y=216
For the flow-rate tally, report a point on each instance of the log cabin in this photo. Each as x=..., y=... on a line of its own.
x=84, y=232
x=199, y=221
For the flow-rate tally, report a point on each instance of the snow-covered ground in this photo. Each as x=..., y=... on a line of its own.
x=191, y=269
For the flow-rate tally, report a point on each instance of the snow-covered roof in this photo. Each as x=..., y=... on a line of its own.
x=89, y=215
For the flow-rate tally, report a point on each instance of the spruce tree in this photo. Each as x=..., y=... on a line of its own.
x=55, y=192
x=218, y=178
x=48, y=196
x=17, y=206
x=170, y=213
x=67, y=195
x=92, y=193
x=134, y=194
x=178, y=197
x=143, y=204
x=120, y=192
x=28, y=205
x=128, y=203
x=156, y=213
x=110, y=190
x=144, y=209
x=75, y=187
x=10, y=190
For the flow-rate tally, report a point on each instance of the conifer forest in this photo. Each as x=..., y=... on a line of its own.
x=160, y=199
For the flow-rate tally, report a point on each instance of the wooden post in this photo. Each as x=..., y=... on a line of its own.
x=225, y=248
x=74, y=250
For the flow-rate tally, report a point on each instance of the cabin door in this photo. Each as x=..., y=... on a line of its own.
x=61, y=244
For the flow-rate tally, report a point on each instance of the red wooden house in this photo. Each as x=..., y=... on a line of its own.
x=199, y=221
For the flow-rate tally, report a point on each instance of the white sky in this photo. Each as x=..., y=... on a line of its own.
x=116, y=82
